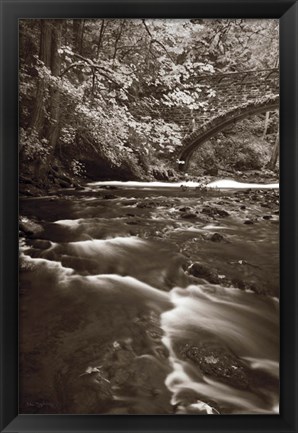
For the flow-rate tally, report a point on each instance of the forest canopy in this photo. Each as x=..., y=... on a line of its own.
x=100, y=97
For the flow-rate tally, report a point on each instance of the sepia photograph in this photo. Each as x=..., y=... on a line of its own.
x=149, y=265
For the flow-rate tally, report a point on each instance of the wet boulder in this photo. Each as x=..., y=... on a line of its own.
x=146, y=205
x=188, y=215
x=29, y=227
x=85, y=392
x=214, y=212
x=217, y=237
x=218, y=362
x=199, y=270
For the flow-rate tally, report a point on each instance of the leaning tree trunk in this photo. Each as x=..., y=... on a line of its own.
x=100, y=38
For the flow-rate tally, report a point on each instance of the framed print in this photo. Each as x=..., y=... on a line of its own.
x=148, y=216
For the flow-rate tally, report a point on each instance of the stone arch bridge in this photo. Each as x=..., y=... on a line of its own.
x=209, y=128
x=224, y=98
x=237, y=96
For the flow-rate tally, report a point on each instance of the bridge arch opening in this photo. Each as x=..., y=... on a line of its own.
x=219, y=123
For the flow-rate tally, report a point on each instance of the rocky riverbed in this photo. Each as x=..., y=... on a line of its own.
x=157, y=301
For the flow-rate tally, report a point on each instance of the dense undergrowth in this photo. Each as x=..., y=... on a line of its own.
x=93, y=94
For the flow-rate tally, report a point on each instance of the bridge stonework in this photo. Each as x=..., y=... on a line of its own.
x=224, y=98
x=220, y=93
x=216, y=124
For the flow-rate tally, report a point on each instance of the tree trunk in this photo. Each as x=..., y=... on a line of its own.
x=117, y=41
x=100, y=38
x=38, y=116
x=82, y=38
x=50, y=42
x=78, y=32
x=266, y=124
x=275, y=153
x=53, y=130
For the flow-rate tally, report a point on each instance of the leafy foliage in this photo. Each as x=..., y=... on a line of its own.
x=101, y=87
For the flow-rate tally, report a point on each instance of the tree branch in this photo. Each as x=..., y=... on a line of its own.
x=73, y=65
x=153, y=40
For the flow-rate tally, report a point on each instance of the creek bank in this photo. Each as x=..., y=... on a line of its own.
x=60, y=177
x=57, y=179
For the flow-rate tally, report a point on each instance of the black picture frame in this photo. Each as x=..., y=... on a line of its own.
x=11, y=11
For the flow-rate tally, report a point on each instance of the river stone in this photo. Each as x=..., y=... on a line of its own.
x=196, y=407
x=188, y=215
x=145, y=205
x=109, y=196
x=214, y=211
x=133, y=222
x=248, y=222
x=29, y=227
x=129, y=203
x=87, y=392
x=201, y=271
x=41, y=244
x=217, y=237
x=24, y=190
x=216, y=361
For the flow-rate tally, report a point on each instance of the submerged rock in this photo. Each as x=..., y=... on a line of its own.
x=184, y=209
x=109, y=196
x=248, y=222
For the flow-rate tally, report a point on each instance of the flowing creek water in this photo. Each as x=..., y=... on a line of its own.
x=150, y=299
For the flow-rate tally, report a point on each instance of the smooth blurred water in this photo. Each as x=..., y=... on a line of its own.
x=110, y=322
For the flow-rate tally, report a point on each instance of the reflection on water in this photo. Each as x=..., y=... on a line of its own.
x=111, y=322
